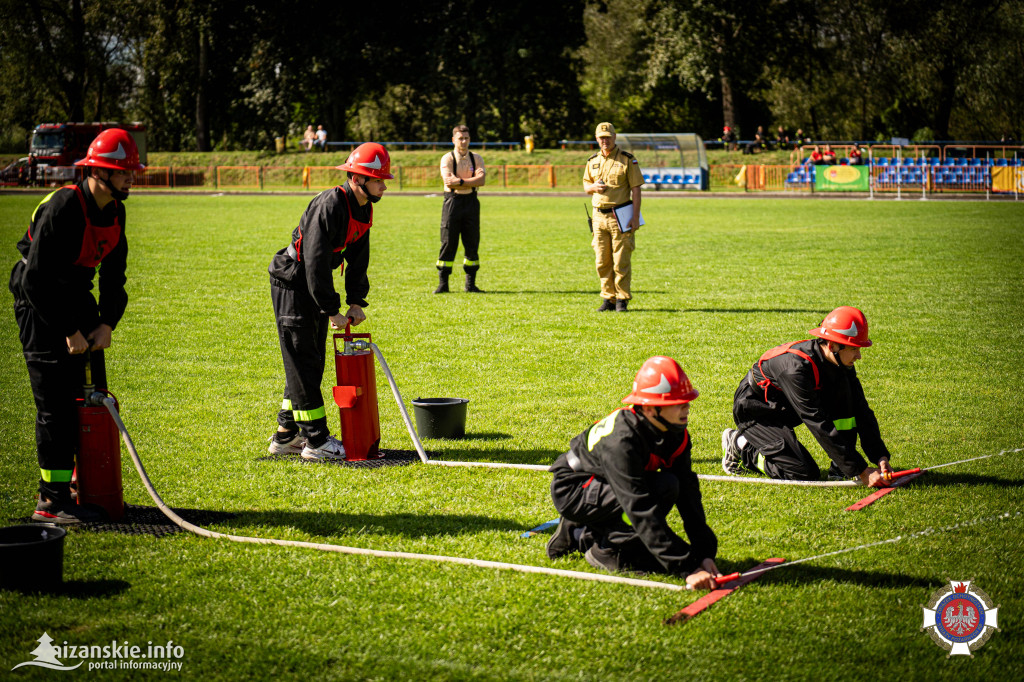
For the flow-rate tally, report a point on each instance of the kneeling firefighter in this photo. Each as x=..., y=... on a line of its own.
x=622, y=476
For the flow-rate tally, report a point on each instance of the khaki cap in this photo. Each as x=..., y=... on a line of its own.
x=605, y=129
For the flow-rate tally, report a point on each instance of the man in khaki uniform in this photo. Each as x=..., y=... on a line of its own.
x=462, y=172
x=613, y=180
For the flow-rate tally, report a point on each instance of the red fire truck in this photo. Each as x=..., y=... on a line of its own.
x=56, y=146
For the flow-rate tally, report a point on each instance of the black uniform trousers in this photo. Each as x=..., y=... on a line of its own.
x=302, y=332
x=57, y=379
x=460, y=216
x=591, y=502
x=783, y=455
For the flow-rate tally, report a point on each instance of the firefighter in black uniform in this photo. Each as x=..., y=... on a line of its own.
x=334, y=228
x=621, y=477
x=811, y=382
x=462, y=172
x=72, y=231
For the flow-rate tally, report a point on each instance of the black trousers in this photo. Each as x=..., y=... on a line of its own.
x=57, y=380
x=772, y=446
x=460, y=216
x=302, y=332
x=590, y=501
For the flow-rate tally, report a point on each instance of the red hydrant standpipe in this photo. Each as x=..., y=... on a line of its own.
x=98, y=465
x=356, y=396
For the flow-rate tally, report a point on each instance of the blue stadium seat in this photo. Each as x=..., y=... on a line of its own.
x=881, y=161
x=1001, y=162
x=677, y=179
x=975, y=162
x=647, y=178
x=656, y=178
x=935, y=161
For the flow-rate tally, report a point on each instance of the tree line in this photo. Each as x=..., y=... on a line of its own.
x=234, y=74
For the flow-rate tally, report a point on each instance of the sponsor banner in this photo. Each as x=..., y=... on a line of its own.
x=842, y=179
x=1007, y=179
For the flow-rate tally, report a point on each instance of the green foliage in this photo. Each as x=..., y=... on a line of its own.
x=196, y=366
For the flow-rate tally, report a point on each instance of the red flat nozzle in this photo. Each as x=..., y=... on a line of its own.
x=723, y=579
x=901, y=474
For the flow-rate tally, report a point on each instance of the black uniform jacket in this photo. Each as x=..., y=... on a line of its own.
x=49, y=277
x=621, y=449
x=321, y=238
x=835, y=413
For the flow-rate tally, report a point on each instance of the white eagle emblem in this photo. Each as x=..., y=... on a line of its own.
x=960, y=622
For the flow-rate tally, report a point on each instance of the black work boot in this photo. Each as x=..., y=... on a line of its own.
x=564, y=540
x=621, y=305
x=606, y=305
x=442, y=280
x=471, y=286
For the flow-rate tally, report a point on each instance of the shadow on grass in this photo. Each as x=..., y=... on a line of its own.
x=90, y=589
x=592, y=292
x=544, y=457
x=735, y=311
x=487, y=436
x=334, y=524
x=804, y=573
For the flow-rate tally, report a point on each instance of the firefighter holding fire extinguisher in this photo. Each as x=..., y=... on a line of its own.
x=333, y=231
x=74, y=232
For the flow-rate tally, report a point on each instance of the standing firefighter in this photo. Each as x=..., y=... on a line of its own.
x=74, y=232
x=462, y=172
x=613, y=180
x=334, y=229
x=621, y=477
x=811, y=382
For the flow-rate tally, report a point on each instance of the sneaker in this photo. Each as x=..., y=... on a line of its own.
x=608, y=304
x=621, y=305
x=732, y=463
x=292, y=447
x=605, y=559
x=332, y=449
x=64, y=512
x=564, y=540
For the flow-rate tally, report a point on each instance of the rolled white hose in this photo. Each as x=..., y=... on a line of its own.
x=192, y=528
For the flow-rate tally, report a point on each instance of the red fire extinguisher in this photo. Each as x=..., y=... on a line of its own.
x=98, y=467
x=356, y=396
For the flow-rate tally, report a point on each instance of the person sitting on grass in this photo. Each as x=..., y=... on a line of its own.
x=622, y=476
x=810, y=382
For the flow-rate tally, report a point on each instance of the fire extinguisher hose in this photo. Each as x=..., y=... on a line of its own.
x=192, y=528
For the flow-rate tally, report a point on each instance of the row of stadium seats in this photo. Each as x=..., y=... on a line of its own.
x=658, y=179
x=935, y=161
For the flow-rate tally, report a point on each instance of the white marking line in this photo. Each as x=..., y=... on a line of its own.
x=918, y=534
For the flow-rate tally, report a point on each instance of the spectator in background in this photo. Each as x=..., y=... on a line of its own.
x=799, y=139
x=856, y=155
x=782, y=138
x=308, y=138
x=816, y=156
x=321, y=138
x=759, y=142
x=828, y=156
x=728, y=138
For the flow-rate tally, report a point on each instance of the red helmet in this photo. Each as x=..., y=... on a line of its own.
x=845, y=325
x=113, y=148
x=371, y=159
x=661, y=381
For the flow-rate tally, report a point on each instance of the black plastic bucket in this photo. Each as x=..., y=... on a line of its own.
x=32, y=557
x=440, y=417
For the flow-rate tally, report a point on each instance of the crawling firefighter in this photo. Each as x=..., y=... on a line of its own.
x=810, y=382
x=622, y=476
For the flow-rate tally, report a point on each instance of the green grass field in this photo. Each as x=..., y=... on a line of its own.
x=196, y=366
